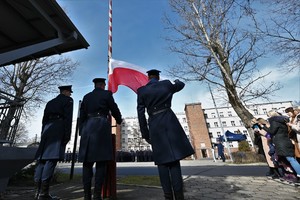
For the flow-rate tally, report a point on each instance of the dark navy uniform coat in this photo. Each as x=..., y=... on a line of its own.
x=95, y=128
x=168, y=139
x=56, y=129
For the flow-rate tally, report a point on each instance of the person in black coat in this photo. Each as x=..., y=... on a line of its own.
x=56, y=133
x=96, y=140
x=283, y=145
x=221, y=151
x=163, y=131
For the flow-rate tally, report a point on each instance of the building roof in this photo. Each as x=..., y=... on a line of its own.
x=34, y=28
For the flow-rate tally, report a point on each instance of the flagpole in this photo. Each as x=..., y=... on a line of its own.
x=110, y=185
x=109, y=33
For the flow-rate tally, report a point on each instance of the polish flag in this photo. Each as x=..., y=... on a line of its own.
x=127, y=74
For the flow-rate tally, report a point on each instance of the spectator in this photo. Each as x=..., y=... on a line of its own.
x=221, y=151
x=283, y=145
x=267, y=144
x=294, y=129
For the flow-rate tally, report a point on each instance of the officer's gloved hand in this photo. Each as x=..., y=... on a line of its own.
x=148, y=140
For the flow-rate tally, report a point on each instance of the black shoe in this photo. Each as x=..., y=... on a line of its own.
x=274, y=176
x=270, y=174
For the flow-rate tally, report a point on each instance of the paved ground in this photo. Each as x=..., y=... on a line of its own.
x=196, y=188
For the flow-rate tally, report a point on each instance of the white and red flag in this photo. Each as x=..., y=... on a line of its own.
x=127, y=74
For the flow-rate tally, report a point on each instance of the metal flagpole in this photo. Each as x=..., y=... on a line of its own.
x=110, y=185
x=109, y=32
x=222, y=128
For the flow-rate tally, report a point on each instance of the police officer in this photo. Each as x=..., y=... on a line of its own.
x=169, y=141
x=56, y=133
x=96, y=140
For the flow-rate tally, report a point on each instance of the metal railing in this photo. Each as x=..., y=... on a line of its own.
x=11, y=108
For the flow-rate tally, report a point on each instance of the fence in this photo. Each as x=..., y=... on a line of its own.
x=11, y=108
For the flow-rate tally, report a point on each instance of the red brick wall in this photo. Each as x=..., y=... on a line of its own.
x=116, y=129
x=198, y=130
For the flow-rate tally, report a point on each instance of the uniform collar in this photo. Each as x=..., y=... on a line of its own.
x=97, y=89
x=153, y=80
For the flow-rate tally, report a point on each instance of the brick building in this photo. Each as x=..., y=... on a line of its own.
x=205, y=127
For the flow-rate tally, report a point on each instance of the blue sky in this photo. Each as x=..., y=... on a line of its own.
x=138, y=33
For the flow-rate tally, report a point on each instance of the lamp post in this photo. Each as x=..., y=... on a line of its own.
x=222, y=128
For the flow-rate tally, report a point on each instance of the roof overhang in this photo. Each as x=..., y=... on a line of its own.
x=32, y=29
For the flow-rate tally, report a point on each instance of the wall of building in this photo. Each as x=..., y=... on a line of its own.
x=198, y=131
x=201, y=125
x=199, y=118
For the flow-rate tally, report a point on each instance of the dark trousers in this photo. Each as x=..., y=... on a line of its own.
x=87, y=174
x=44, y=170
x=171, y=177
x=222, y=157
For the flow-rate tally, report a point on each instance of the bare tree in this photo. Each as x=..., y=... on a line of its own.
x=21, y=134
x=34, y=80
x=216, y=46
x=281, y=26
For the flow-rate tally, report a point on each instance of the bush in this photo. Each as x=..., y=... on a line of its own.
x=244, y=146
x=242, y=157
x=24, y=176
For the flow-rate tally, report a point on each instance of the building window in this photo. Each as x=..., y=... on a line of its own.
x=255, y=111
x=205, y=116
x=216, y=124
x=186, y=129
x=232, y=123
x=221, y=114
x=184, y=119
x=224, y=124
x=229, y=114
x=213, y=115
x=218, y=134
x=241, y=123
x=210, y=134
x=208, y=125
x=264, y=111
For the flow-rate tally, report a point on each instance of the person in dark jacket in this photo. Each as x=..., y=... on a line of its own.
x=221, y=151
x=56, y=133
x=283, y=145
x=166, y=135
x=96, y=140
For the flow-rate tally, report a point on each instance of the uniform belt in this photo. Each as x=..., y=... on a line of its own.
x=96, y=115
x=158, y=111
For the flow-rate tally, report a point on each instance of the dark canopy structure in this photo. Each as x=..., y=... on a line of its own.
x=31, y=29
x=233, y=137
